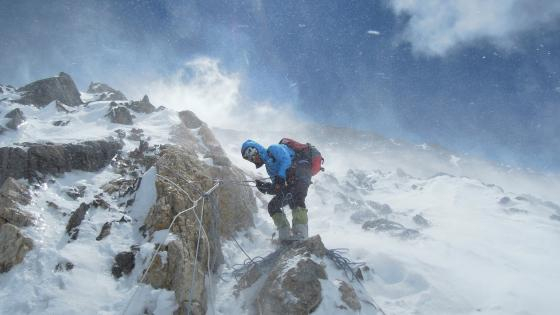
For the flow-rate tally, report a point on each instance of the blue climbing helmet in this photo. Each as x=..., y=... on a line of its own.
x=250, y=152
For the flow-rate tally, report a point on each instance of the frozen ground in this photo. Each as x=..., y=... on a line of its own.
x=481, y=249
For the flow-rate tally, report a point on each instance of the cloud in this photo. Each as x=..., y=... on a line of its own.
x=435, y=27
x=215, y=95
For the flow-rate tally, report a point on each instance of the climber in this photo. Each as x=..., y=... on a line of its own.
x=291, y=176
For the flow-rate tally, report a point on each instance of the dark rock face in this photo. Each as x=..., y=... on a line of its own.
x=61, y=123
x=143, y=106
x=76, y=219
x=42, y=92
x=349, y=296
x=124, y=263
x=13, y=246
x=55, y=159
x=190, y=120
x=105, y=231
x=119, y=115
x=292, y=285
x=64, y=266
x=105, y=92
x=13, y=194
x=76, y=192
x=16, y=118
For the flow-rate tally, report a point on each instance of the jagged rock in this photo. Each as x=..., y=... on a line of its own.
x=99, y=202
x=56, y=159
x=64, y=266
x=76, y=219
x=105, y=231
x=420, y=220
x=105, y=92
x=61, y=123
x=16, y=118
x=119, y=114
x=184, y=169
x=76, y=192
x=123, y=264
x=291, y=280
x=13, y=246
x=42, y=92
x=136, y=134
x=349, y=296
x=13, y=194
x=190, y=120
x=143, y=106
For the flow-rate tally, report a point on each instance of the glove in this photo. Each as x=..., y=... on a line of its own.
x=279, y=185
x=263, y=187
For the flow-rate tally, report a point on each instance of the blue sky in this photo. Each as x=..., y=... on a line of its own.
x=476, y=76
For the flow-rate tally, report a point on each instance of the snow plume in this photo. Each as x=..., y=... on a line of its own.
x=217, y=97
x=436, y=26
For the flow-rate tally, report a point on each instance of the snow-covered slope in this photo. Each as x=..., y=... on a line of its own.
x=436, y=244
x=480, y=239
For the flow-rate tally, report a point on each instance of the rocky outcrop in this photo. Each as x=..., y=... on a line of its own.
x=42, y=92
x=236, y=202
x=119, y=114
x=123, y=264
x=75, y=220
x=13, y=194
x=16, y=118
x=105, y=93
x=142, y=106
x=183, y=168
x=36, y=160
x=13, y=246
x=293, y=280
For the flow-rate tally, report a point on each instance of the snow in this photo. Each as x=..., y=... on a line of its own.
x=480, y=253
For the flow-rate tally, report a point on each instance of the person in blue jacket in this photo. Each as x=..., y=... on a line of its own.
x=290, y=178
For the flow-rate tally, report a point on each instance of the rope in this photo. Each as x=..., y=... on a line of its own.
x=196, y=258
x=195, y=204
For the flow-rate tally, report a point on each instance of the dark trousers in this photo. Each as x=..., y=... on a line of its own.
x=299, y=179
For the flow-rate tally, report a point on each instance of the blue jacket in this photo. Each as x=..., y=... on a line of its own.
x=277, y=158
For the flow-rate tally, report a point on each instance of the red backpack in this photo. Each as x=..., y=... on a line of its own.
x=306, y=151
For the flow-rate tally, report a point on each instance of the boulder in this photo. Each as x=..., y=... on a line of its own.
x=76, y=219
x=190, y=120
x=123, y=264
x=16, y=118
x=42, y=92
x=105, y=92
x=349, y=296
x=55, y=159
x=292, y=281
x=105, y=231
x=143, y=106
x=13, y=246
x=119, y=114
x=183, y=168
x=13, y=194
x=420, y=220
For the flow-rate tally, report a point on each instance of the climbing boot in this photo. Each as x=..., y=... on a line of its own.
x=282, y=225
x=299, y=223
